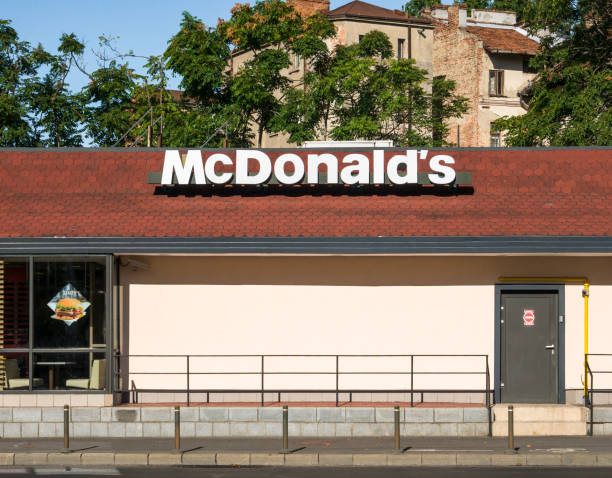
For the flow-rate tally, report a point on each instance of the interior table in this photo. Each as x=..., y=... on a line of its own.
x=54, y=369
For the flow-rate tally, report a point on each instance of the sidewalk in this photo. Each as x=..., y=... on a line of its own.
x=544, y=451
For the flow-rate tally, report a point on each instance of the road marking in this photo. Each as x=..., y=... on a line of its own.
x=419, y=450
x=561, y=450
x=78, y=471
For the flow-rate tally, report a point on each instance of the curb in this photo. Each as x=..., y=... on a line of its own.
x=305, y=459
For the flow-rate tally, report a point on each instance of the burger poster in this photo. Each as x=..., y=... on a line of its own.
x=69, y=305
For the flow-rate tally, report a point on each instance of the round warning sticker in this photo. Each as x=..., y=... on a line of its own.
x=528, y=318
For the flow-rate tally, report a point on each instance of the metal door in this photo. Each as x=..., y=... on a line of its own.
x=529, y=348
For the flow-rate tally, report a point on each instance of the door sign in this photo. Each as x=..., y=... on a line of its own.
x=528, y=318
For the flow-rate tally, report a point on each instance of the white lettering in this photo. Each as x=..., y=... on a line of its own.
x=331, y=163
x=362, y=168
x=298, y=168
x=447, y=173
x=209, y=168
x=173, y=165
x=242, y=167
x=410, y=160
x=379, y=167
x=400, y=169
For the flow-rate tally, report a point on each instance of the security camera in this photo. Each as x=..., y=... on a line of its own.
x=137, y=265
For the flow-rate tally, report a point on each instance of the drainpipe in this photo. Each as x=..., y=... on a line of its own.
x=585, y=296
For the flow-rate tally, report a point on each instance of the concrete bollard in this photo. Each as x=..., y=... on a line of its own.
x=510, y=428
x=177, y=428
x=66, y=448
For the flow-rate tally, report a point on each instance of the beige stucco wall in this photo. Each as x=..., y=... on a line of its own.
x=341, y=305
x=421, y=38
x=493, y=108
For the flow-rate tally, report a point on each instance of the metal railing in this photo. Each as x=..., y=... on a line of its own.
x=590, y=391
x=123, y=373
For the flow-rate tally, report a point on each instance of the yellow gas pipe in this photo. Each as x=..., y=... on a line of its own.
x=585, y=295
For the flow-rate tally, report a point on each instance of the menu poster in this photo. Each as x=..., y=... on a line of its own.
x=69, y=305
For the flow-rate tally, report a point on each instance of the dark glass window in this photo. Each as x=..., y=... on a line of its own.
x=57, y=303
x=400, y=48
x=526, y=67
x=70, y=371
x=14, y=308
x=69, y=303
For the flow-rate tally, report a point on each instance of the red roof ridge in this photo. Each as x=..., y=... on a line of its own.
x=506, y=40
x=357, y=8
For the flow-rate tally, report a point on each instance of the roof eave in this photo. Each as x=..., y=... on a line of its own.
x=407, y=21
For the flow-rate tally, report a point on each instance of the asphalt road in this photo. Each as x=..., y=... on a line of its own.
x=344, y=472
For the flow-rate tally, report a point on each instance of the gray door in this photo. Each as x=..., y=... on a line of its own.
x=529, y=347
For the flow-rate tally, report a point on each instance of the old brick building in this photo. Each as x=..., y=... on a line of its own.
x=487, y=54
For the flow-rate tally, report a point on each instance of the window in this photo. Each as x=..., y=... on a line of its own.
x=495, y=137
x=496, y=82
x=400, y=48
x=296, y=61
x=526, y=67
x=360, y=38
x=54, y=316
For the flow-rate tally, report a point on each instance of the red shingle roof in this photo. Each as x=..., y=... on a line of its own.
x=367, y=10
x=504, y=40
x=545, y=192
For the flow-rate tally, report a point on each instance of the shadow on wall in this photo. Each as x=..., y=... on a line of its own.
x=299, y=190
x=360, y=271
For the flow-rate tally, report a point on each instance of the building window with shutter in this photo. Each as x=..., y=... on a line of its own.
x=400, y=48
x=496, y=82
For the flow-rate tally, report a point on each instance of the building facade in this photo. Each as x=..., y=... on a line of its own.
x=487, y=55
x=240, y=275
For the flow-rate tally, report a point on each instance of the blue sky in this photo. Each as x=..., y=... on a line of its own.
x=142, y=26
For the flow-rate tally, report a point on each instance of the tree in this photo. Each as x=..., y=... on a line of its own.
x=571, y=95
x=54, y=110
x=19, y=63
x=414, y=7
x=266, y=33
x=361, y=92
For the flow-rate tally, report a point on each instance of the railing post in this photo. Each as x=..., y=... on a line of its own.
x=586, y=390
x=488, y=396
x=177, y=428
x=411, y=380
x=337, y=380
x=66, y=448
x=262, y=380
x=187, y=356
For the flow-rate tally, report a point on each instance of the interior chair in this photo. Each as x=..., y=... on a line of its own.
x=13, y=379
x=96, y=379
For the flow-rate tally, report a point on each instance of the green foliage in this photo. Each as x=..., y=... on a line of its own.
x=359, y=92
x=265, y=69
x=414, y=7
x=109, y=95
x=18, y=67
x=571, y=96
